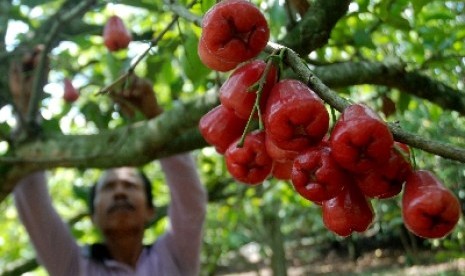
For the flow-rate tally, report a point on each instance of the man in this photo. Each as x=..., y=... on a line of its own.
x=121, y=210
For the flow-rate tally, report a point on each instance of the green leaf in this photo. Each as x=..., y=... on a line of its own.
x=166, y=74
x=207, y=4
x=363, y=39
x=195, y=70
x=81, y=192
x=92, y=112
x=83, y=41
x=363, y=5
x=113, y=65
x=440, y=15
x=403, y=102
x=33, y=3
x=52, y=125
x=435, y=113
x=4, y=130
x=418, y=5
x=391, y=13
x=153, y=63
x=398, y=22
x=153, y=6
x=277, y=14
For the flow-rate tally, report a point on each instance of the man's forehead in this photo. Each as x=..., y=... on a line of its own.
x=123, y=173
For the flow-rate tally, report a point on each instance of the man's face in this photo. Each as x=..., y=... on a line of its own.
x=120, y=201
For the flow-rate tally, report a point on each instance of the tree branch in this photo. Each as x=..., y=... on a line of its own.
x=392, y=73
x=314, y=30
x=26, y=266
x=132, y=145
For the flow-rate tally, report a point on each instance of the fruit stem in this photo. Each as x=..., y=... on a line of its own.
x=414, y=160
x=282, y=51
x=256, y=107
x=333, y=117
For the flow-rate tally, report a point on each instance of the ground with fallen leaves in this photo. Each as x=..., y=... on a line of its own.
x=385, y=262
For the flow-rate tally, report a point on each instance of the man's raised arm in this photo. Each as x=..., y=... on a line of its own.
x=186, y=211
x=55, y=247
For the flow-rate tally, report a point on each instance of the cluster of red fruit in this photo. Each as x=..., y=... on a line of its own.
x=341, y=170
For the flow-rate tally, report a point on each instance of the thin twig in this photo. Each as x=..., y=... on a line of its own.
x=152, y=44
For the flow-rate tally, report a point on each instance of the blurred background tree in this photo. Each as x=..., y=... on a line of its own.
x=404, y=58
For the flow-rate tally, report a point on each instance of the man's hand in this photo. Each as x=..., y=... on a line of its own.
x=137, y=96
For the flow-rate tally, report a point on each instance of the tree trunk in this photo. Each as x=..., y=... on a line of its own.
x=276, y=242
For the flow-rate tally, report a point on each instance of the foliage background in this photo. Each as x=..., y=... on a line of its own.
x=407, y=53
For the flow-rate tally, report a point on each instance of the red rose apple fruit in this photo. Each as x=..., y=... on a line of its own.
x=282, y=170
x=350, y=211
x=70, y=92
x=278, y=154
x=360, y=140
x=295, y=117
x=316, y=176
x=233, y=31
x=387, y=180
x=429, y=209
x=210, y=60
x=220, y=127
x=115, y=34
x=236, y=92
x=249, y=164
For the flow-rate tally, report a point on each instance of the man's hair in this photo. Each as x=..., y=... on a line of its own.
x=147, y=187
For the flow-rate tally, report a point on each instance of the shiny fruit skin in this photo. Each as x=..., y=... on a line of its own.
x=220, y=127
x=360, y=140
x=429, y=209
x=70, y=92
x=233, y=31
x=295, y=117
x=115, y=34
x=249, y=164
x=239, y=91
x=348, y=212
x=316, y=176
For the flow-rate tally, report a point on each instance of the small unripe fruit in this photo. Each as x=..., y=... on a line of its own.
x=70, y=92
x=115, y=34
